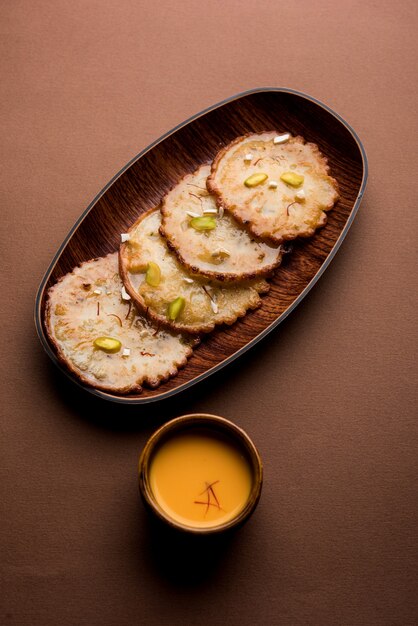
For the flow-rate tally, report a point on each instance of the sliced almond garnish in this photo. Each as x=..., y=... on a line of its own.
x=125, y=295
x=281, y=138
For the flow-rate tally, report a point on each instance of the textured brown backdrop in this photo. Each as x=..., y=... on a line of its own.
x=329, y=397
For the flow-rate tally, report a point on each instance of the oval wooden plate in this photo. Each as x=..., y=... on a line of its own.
x=140, y=185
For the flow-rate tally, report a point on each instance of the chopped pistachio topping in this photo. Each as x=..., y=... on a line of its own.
x=255, y=179
x=175, y=308
x=292, y=179
x=107, y=344
x=281, y=138
x=153, y=274
x=203, y=223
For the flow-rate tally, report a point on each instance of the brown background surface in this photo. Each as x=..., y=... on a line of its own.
x=329, y=398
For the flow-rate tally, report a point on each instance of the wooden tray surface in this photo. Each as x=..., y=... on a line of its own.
x=141, y=184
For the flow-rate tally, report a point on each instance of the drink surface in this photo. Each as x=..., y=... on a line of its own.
x=199, y=479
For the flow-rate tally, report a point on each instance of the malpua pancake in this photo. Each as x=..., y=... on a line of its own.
x=276, y=185
x=168, y=294
x=100, y=336
x=209, y=241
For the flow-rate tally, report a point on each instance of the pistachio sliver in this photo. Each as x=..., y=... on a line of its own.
x=203, y=223
x=292, y=179
x=107, y=344
x=255, y=179
x=175, y=308
x=153, y=274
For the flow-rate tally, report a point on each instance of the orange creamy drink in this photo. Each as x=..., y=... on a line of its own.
x=200, y=479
